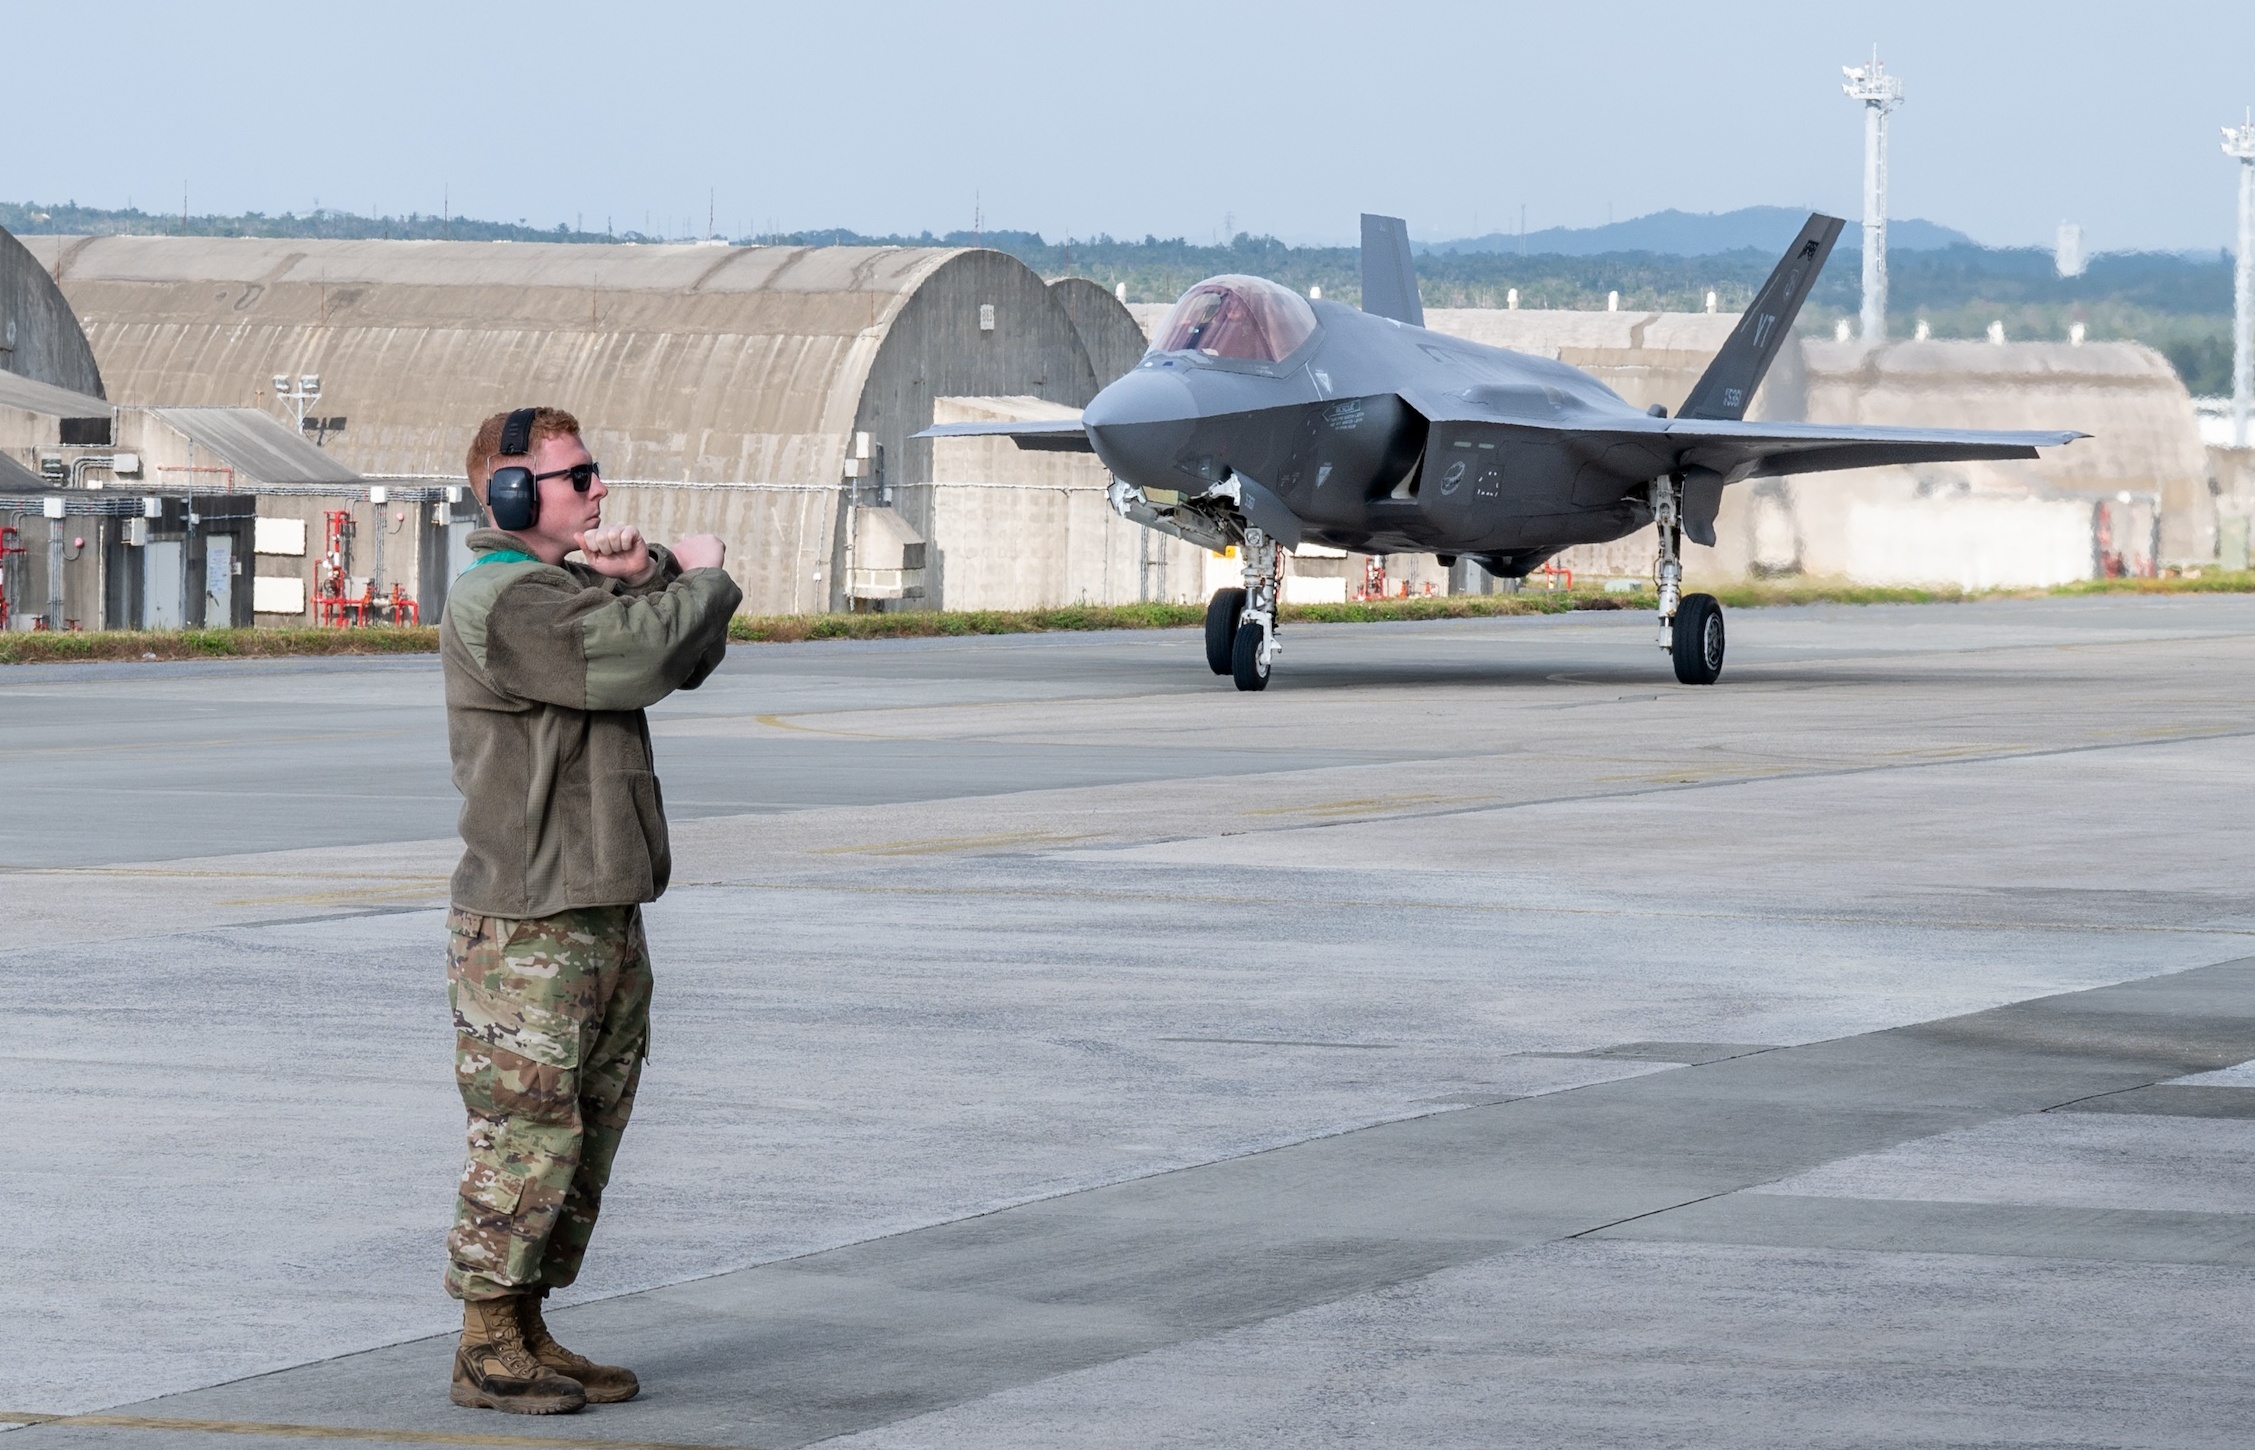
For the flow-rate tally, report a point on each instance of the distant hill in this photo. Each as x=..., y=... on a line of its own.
x=2180, y=302
x=1696, y=234
x=70, y=219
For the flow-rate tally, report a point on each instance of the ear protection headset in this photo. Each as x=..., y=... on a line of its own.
x=512, y=495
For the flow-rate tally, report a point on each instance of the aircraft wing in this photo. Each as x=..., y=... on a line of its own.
x=1761, y=450
x=1640, y=446
x=1052, y=435
x=1711, y=453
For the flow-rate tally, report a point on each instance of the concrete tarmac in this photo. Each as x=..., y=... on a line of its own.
x=1475, y=1038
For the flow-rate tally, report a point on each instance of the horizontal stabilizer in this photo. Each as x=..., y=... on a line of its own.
x=1728, y=385
x=1389, y=273
x=1050, y=435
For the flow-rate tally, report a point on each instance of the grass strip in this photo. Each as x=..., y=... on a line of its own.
x=2208, y=581
x=196, y=644
x=205, y=644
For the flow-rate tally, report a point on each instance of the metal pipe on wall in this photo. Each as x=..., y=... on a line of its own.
x=191, y=566
x=13, y=581
x=55, y=572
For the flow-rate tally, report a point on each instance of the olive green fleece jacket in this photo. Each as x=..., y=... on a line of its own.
x=548, y=670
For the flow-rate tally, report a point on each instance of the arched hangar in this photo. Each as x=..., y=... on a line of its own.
x=40, y=338
x=760, y=392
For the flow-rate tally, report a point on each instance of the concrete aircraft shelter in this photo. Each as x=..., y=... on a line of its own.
x=40, y=338
x=2144, y=434
x=723, y=388
x=1107, y=326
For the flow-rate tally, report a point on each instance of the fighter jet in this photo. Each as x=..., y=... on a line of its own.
x=1262, y=420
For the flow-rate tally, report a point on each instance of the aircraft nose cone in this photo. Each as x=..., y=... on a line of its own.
x=1142, y=395
x=1141, y=423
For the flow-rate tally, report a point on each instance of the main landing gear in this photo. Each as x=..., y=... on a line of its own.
x=1222, y=613
x=1691, y=625
x=1241, y=623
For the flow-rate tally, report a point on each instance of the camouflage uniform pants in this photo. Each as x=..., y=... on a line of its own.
x=551, y=1022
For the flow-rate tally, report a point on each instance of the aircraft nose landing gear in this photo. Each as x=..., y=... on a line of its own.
x=1241, y=623
x=1691, y=626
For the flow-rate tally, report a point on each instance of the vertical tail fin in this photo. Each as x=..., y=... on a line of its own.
x=1728, y=385
x=1389, y=275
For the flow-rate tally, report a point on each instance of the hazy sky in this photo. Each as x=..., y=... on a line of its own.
x=1158, y=116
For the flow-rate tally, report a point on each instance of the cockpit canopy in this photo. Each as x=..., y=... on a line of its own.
x=1249, y=319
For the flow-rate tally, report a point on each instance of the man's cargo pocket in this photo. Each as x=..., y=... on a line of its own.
x=517, y=988
x=490, y=1188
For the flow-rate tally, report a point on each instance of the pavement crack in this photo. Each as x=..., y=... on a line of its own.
x=1652, y=1213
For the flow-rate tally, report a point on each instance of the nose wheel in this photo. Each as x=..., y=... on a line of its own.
x=1241, y=623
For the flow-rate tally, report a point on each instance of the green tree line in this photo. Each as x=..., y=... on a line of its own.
x=2178, y=303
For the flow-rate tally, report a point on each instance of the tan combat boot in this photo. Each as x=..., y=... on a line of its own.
x=605, y=1384
x=495, y=1370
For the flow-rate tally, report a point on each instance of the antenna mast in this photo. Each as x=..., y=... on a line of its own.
x=1880, y=93
x=2239, y=144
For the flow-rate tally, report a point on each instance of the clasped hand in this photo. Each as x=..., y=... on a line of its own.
x=622, y=553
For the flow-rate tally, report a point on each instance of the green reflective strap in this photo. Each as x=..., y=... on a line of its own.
x=503, y=556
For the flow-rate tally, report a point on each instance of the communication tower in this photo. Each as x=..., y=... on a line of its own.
x=1880, y=93
x=2239, y=144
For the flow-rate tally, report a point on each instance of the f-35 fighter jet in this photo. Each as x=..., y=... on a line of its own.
x=1262, y=420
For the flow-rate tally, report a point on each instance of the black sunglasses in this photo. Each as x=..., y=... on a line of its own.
x=581, y=475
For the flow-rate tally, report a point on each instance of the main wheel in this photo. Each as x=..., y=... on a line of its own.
x=1248, y=660
x=1697, y=643
x=1222, y=613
